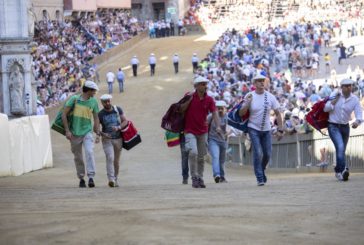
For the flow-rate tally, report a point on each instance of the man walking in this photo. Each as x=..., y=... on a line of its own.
x=79, y=132
x=195, y=61
x=134, y=64
x=121, y=78
x=196, y=109
x=260, y=103
x=110, y=77
x=340, y=110
x=152, y=63
x=112, y=120
x=175, y=63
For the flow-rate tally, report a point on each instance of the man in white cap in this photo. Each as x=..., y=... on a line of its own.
x=217, y=142
x=175, y=60
x=134, y=64
x=195, y=110
x=112, y=120
x=152, y=63
x=85, y=108
x=195, y=61
x=340, y=110
x=259, y=103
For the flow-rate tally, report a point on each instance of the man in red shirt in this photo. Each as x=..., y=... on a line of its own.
x=196, y=110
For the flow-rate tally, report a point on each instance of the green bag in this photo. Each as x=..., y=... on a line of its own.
x=57, y=124
x=171, y=138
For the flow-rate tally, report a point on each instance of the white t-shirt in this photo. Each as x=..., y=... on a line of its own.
x=110, y=77
x=259, y=109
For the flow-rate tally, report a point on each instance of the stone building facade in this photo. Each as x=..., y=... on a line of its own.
x=159, y=9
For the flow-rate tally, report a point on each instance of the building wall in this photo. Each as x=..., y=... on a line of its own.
x=123, y=4
x=146, y=11
x=51, y=6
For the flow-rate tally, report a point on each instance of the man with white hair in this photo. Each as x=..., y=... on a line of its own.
x=112, y=120
x=79, y=131
x=195, y=110
x=340, y=110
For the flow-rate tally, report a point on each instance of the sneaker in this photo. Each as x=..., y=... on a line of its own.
x=264, y=178
x=339, y=176
x=260, y=183
x=91, y=183
x=82, y=183
x=345, y=174
x=116, y=184
x=195, y=183
x=223, y=180
x=217, y=179
x=111, y=183
x=185, y=181
x=202, y=183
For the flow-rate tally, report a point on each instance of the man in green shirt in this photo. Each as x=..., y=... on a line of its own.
x=84, y=108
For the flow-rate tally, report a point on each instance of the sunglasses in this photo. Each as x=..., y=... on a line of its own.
x=346, y=85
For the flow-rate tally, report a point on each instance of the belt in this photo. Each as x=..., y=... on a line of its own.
x=339, y=125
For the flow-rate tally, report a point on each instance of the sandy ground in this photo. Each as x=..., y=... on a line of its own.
x=151, y=206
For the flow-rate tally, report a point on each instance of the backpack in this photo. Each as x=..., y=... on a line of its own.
x=57, y=123
x=317, y=117
x=173, y=120
x=235, y=121
x=130, y=136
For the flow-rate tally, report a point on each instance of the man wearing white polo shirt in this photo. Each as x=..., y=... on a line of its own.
x=340, y=110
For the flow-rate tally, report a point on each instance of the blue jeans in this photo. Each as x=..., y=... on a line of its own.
x=184, y=156
x=339, y=135
x=218, y=152
x=110, y=87
x=262, y=150
x=121, y=85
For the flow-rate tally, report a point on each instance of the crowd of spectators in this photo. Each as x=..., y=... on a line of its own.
x=62, y=50
x=282, y=54
x=240, y=14
x=289, y=51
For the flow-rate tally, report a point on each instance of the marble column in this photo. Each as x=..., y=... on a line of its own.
x=16, y=96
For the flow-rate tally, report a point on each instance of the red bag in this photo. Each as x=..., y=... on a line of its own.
x=317, y=118
x=173, y=120
x=130, y=136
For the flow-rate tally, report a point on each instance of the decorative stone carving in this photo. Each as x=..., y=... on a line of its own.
x=31, y=20
x=16, y=89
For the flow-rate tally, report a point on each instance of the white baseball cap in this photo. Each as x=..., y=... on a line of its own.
x=106, y=97
x=152, y=54
x=220, y=103
x=259, y=77
x=91, y=84
x=200, y=79
x=346, y=82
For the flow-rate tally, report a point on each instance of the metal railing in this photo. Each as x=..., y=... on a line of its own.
x=301, y=150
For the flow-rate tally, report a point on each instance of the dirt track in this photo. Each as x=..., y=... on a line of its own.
x=152, y=206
